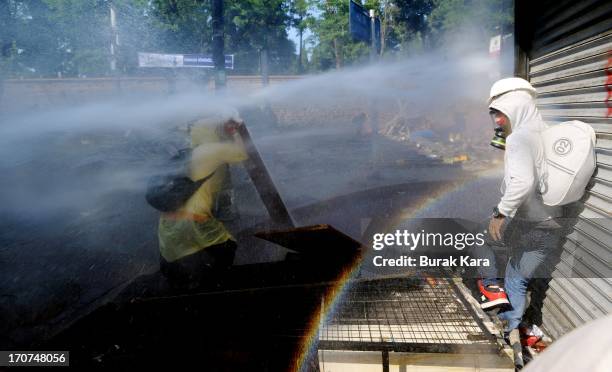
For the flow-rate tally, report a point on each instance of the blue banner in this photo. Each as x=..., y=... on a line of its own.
x=359, y=24
x=203, y=60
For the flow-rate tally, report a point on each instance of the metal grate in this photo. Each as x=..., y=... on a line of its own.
x=407, y=314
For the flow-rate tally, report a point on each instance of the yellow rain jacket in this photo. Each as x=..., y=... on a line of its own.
x=193, y=227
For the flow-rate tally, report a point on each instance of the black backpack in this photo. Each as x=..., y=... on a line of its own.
x=168, y=192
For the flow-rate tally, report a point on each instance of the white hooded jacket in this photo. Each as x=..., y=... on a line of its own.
x=523, y=159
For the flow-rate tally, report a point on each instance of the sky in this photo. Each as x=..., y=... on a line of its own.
x=295, y=37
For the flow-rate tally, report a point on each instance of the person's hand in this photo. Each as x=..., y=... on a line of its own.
x=495, y=227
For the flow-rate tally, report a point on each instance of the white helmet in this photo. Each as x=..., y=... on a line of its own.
x=227, y=113
x=510, y=84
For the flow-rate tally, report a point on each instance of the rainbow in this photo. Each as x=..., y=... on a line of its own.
x=419, y=209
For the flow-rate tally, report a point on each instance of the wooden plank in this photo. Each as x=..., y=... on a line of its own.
x=263, y=182
x=317, y=240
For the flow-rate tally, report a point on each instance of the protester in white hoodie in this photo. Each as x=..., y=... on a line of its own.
x=532, y=231
x=523, y=158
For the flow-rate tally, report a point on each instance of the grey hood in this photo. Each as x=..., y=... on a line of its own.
x=519, y=106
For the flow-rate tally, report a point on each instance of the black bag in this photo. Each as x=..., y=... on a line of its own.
x=169, y=192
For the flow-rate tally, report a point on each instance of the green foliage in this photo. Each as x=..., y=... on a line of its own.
x=485, y=16
x=300, y=13
x=300, y=10
x=253, y=25
x=407, y=27
x=402, y=25
x=184, y=25
x=331, y=33
x=72, y=37
x=79, y=30
x=42, y=38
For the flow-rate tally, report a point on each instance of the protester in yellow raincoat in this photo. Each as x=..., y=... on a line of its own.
x=192, y=242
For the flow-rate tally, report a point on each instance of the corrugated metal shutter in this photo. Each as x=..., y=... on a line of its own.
x=571, y=67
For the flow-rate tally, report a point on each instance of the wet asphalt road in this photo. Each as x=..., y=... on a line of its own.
x=67, y=238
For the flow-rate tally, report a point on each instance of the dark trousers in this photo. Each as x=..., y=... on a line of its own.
x=531, y=249
x=201, y=266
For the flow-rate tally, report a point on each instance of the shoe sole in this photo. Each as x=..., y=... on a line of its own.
x=498, y=302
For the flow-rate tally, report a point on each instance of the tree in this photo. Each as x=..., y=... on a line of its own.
x=256, y=25
x=250, y=26
x=30, y=40
x=140, y=30
x=56, y=37
x=484, y=16
x=8, y=23
x=411, y=22
x=72, y=37
x=185, y=25
x=300, y=14
x=331, y=31
x=403, y=23
x=82, y=32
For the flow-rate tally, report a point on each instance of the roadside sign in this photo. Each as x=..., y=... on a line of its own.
x=206, y=61
x=181, y=60
x=495, y=46
x=159, y=60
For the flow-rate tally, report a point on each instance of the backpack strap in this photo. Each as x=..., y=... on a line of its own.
x=201, y=181
x=542, y=178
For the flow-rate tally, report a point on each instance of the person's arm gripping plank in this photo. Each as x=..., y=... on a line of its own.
x=209, y=156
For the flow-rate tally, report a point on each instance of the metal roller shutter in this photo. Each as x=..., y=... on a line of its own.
x=570, y=64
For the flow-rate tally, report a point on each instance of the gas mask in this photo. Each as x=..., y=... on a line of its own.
x=500, y=126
